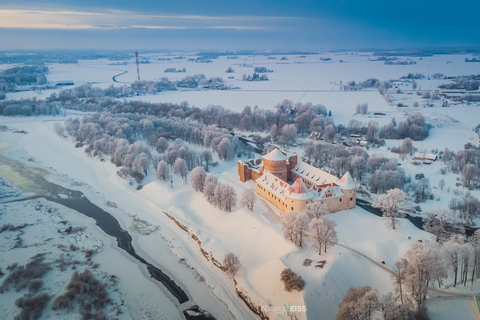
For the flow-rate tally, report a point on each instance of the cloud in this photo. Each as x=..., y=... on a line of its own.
x=119, y=19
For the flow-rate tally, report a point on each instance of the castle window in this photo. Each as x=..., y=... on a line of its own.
x=351, y=199
x=292, y=208
x=340, y=199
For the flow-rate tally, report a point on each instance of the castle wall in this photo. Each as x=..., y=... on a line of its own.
x=292, y=162
x=347, y=201
x=256, y=174
x=244, y=172
x=272, y=198
x=295, y=204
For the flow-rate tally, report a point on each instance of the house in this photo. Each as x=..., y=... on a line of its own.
x=424, y=156
x=275, y=172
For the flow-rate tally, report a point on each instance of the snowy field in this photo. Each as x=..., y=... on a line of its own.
x=254, y=237
x=241, y=232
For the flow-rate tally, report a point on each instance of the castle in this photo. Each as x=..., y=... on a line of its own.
x=311, y=184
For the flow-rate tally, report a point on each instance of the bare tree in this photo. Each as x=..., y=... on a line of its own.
x=291, y=280
x=209, y=188
x=391, y=310
x=249, y=198
x=469, y=172
x=361, y=108
x=197, y=178
x=392, y=203
x=441, y=184
x=295, y=226
x=231, y=263
x=398, y=278
x=358, y=304
x=322, y=233
x=229, y=198
x=316, y=209
x=441, y=222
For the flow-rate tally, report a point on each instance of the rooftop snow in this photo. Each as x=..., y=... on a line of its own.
x=273, y=184
x=275, y=155
x=312, y=174
x=346, y=182
x=299, y=186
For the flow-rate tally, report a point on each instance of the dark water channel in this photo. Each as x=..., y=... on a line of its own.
x=416, y=221
x=77, y=201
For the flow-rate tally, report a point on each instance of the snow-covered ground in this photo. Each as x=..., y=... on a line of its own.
x=135, y=295
x=255, y=237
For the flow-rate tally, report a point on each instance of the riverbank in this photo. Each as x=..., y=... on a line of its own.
x=71, y=169
x=71, y=242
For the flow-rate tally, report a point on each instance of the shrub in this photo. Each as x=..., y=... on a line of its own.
x=87, y=290
x=21, y=277
x=291, y=280
x=32, y=306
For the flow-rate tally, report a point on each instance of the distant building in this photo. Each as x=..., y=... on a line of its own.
x=424, y=156
x=64, y=83
x=311, y=184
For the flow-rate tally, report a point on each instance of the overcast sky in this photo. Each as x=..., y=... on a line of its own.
x=238, y=24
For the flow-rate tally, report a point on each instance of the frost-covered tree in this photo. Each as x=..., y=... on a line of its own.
x=197, y=178
x=391, y=310
x=249, y=197
x=59, y=129
x=225, y=149
x=289, y=133
x=295, y=227
x=207, y=157
x=229, y=198
x=422, y=190
x=398, y=278
x=361, y=108
x=209, y=188
x=407, y=146
x=161, y=145
x=141, y=163
x=322, y=234
x=441, y=222
x=424, y=267
x=162, y=170
x=469, y=172
x=225, y=197
x=180, y=168
x=316, y=210
x=358, y=304
x=291, y=280
x=451, y=252
x=231, y=263
x=392, y=205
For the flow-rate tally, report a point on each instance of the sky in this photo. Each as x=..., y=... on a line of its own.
x=238, y=24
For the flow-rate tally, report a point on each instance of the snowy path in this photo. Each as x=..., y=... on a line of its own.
x=437, y=290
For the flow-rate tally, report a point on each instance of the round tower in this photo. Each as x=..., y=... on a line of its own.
x=275, y=162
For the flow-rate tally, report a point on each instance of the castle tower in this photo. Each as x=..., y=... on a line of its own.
x=275, y=162
x=298, y=197
x=349, y=189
